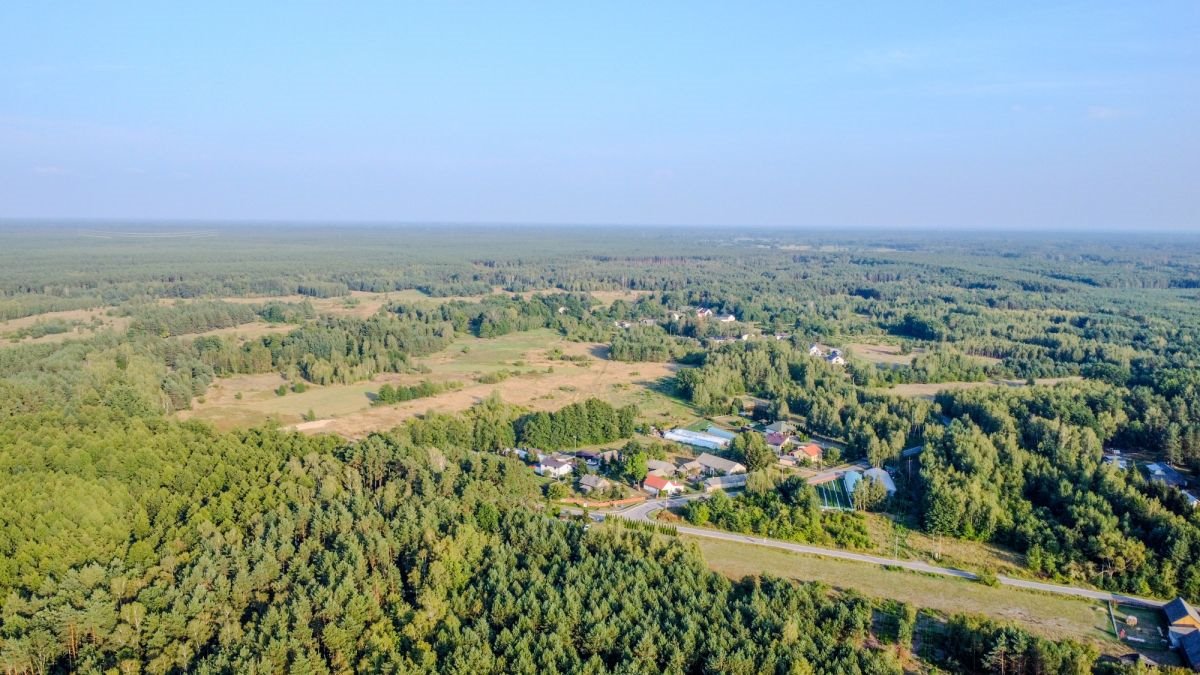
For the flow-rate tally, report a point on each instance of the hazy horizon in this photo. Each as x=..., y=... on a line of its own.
x=1009, y=117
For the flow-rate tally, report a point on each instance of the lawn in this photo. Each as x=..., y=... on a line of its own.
x=1052, y=616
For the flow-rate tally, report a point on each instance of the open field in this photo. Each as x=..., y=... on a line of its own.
x=879, y=353
x=246, y=331
x=891, y=354
x=81, y=322
x=929, y=390
x=1047, y=615
x=347, y=410
x=607, y=298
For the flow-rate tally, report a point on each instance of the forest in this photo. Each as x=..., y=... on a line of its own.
x=133, y=541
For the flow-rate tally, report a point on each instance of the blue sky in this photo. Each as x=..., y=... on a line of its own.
x=996, y=114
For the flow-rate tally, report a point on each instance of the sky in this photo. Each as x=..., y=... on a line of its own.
x=987, y=115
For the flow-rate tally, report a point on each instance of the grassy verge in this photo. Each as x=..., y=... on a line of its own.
x=1048, y=615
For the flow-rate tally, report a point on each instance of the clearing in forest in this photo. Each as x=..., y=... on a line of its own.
x=533, y=379
x=73, y=323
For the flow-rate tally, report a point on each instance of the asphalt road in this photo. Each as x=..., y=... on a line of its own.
x=644, y=510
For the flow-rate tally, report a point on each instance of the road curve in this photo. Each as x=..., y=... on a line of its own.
x=644, y=510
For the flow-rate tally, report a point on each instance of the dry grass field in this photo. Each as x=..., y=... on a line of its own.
x=1054, y=617
x=890, y=354
x=539, y=383
x=84, y=322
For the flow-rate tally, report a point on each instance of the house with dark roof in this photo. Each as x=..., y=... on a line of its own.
x=591, y=482
x=1180, y=614
x=1189, y=649
x=725, y=482
x=1183, y=630
x=661, y=468
x=712, y=465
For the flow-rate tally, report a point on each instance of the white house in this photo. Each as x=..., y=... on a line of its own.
x=727, y=318
x=703, y=313
x=657, y=486
x=553, y=467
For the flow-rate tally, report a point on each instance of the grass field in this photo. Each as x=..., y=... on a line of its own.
x=891, y=354
x=1052, y=616
x=83, y=322
x=541, y=383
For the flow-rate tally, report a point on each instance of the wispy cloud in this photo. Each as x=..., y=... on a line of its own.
x=1103, y=112
x=888, y=59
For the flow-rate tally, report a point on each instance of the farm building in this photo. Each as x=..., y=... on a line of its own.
x=724, y=482
x=697, y=439
x=853, y=478
x=883, y=477
x=722, y=433
x=1163, y=473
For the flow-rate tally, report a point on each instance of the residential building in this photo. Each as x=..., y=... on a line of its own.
x=727, y=318
x=777, y=441
x=712, y=465
x=1183, y=630
x=703, y=313
x=553, y=467
x=780, y=427
x=657, y=486
x=810, y=451
x=660, y=468
x=591, y=482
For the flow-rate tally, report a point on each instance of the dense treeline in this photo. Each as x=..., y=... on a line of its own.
x=206, y=315
x=588, y=423
x=646, y=343
x=389, y=394
x=270, y=551
x=790, y=510
x=1024, y=468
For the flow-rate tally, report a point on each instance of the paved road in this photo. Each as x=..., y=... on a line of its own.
x=644, y=510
